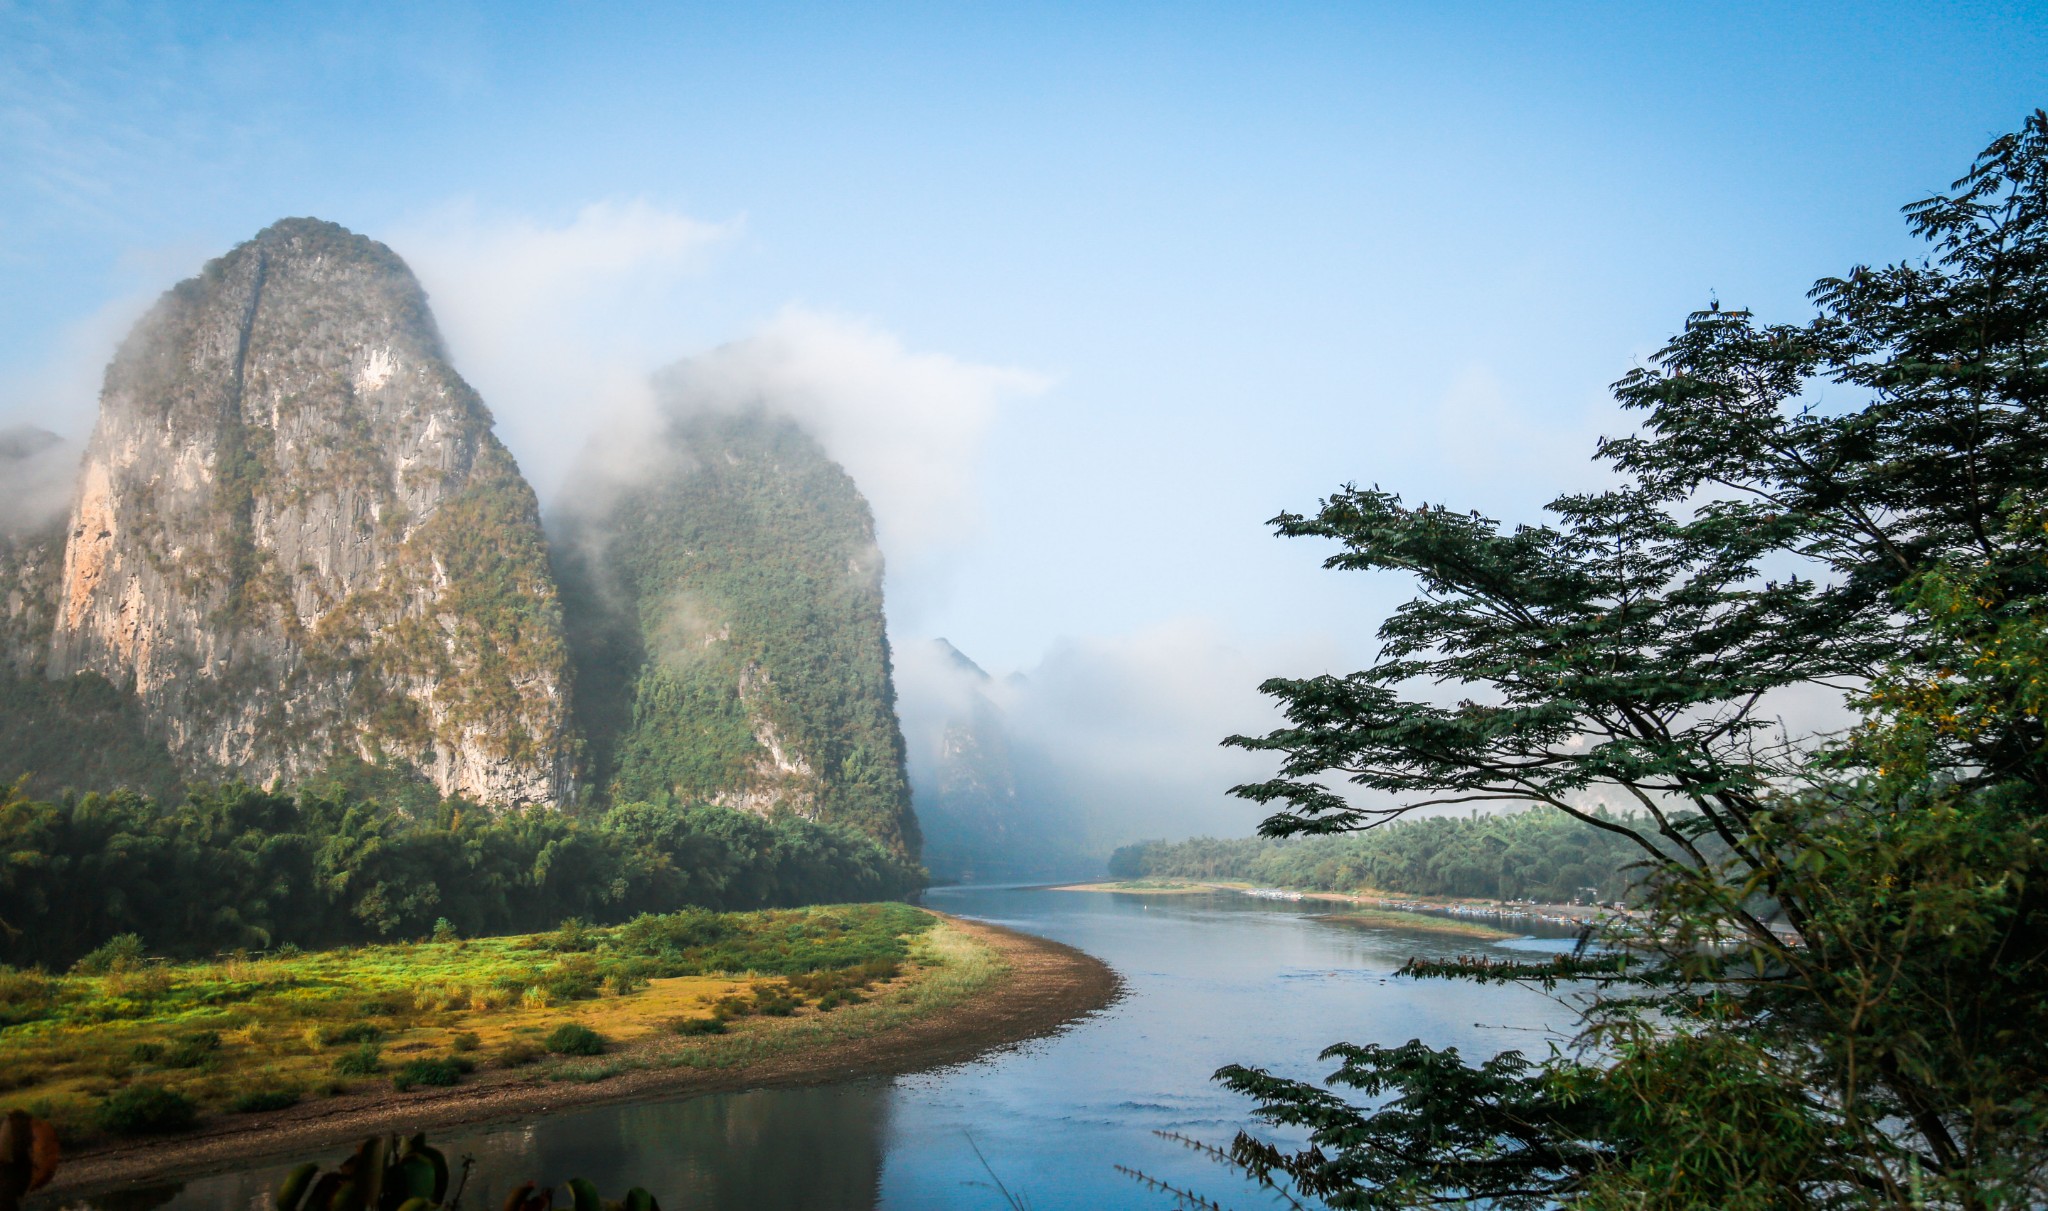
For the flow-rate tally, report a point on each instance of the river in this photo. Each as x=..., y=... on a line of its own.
x=1211, y=980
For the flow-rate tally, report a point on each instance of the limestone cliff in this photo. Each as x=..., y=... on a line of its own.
x=295, y=535
x=724, y=594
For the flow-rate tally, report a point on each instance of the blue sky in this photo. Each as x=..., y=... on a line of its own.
x=1159, y=272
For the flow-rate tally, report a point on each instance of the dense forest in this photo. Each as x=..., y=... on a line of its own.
x=725, y=616
x=236, y=867
x=1543, y=856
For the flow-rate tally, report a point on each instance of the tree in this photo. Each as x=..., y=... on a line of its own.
x=1836, y=994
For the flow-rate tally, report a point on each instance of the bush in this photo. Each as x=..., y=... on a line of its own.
x=572, y=1038
x=145, y=1110
x=23, y=988
x=258, y=1100
x=444, y=931
x=517, y=1055
x=192, y=1051
x=366, y=1060
x=711, y=1025
x=118, y=953
x=575, y=978
x=428, y=1072
x=465, y=1041
x=353, y=1032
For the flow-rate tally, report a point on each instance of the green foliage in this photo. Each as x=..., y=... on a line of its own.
x=238, y=867
x=366, y=1060
x=118, y=953
x=429, y=1073
x=351, y=1032
x=737, y=588
x=574, y=1038
x=1833, y=997
x=1546, y=856
x=145, y=1109
x=41, y=722
x=259, y=1101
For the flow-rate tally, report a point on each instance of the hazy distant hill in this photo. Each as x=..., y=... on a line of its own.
x=982, y=822
x=724, y=598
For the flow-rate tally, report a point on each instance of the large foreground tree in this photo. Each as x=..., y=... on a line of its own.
x=1837, y=992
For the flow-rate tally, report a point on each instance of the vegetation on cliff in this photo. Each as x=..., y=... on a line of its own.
x=724, y=604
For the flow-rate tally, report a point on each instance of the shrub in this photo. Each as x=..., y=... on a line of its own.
x=575, y=978
x=711, y=1025
x=144, y=983
x=145, y=1110
x=366, y=1060
x=673, y=933
x=290, y=950
x=517, y=1055
x=146, y=1053
x=428, y=1072
x=776, y=1003
x=258, y=1100
x=444, y=931
x=118, y=953
x=24, y=988
x=465, y=1041
x=192, y=1051
x=352, y=1032
x=575, y=934
x=574, y=1038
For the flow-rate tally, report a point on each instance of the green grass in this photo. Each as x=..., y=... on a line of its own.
x=324, y=1022
x=1419, y=922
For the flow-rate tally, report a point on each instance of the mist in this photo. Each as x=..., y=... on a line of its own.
x=37, y=468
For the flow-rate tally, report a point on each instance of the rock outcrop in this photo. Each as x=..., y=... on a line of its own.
x=296, y=537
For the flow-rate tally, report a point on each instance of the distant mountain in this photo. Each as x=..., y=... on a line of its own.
x=294, y=538
x=724, y=599
x=979, y=826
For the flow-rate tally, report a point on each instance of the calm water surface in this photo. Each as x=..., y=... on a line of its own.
x=1211, y=979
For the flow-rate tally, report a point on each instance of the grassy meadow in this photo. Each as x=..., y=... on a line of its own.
x=125, y=1045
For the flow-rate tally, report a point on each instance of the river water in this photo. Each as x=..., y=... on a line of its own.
x=1211, y=980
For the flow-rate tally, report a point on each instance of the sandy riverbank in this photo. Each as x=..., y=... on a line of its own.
x=1034, y=988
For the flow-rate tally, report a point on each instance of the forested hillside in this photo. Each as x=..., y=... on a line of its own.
x=1526, y=855
x=725, y=614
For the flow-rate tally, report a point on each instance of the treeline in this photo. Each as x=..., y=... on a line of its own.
x=1546, y=856
x=236, y=867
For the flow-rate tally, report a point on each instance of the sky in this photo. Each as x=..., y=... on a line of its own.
x=1082, y=295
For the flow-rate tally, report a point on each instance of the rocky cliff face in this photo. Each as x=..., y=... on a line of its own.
x=295, y=536
x=724, y=595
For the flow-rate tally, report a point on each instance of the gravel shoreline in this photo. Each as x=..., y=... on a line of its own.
x=1048, y=986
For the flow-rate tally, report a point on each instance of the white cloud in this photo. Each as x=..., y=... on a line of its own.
x=908, y=426
x=62, y=391
x=558, y=326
